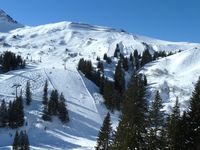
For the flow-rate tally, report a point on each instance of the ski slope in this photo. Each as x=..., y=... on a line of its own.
x=52, y=52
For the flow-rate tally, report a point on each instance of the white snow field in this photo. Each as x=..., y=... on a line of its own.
x=174, y=76
x=52, y=52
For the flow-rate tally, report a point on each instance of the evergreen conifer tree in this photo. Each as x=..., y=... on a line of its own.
x=173, y=128
x=45, y=114
x=104, y=137
x=119, y=78
x=3, y=114
x=62, y=112
x=132, y=129
x=16, y=141
x=146, y=57
x=53, y=103
x=45, y=93
x=194, y=119
x=28, y=93
x=156, y=117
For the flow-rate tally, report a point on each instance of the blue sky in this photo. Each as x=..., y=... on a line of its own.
x=175, y=20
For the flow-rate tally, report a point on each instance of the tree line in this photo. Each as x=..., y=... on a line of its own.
x=11, y=61
x=146, y=126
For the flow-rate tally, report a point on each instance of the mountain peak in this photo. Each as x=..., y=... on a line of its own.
x=7, y=23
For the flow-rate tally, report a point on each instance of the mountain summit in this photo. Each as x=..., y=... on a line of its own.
x=7, y=23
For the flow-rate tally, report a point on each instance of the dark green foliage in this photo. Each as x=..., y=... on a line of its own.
x=124, y=62
x=132, y=130
x=158, y=54
x=16, y=113
x=45, y=93
x=56, y=106
x=10, y=61
x=53, y=103
x=21, y=141
x=16, y=141
x=111, y=96
x=156, y=113
x=156, y=120
x=85, y=66
x=45, y=114
x=117, y=51
x=98, y=58
x=105, y=56
x=194, y=119
x=119, y=78
x=104, y=137
x=109, y=60
x=174, y=127
x=136, y=60
x=100, y=66
x=62, y=112
x=3, y=114
x=28, y=93
x=146, y=57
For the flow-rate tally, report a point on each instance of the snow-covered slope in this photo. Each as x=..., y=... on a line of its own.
x=52, y=52
x=174, y=76
x=7, y=23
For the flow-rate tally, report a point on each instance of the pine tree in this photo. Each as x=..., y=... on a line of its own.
x=53, y=103
x=194, y=119
x=15, y=144
x=156, y=117
x=174, y=127
x=20, y=112
x=146, y=57
x=28, y=93
x=131, y=132
x=45, y=114
x=25, y=141
x=105, y=56
x=62, y=112
x=104, y=137
x=45, y=94
x=136, y=60
x=119, y=78
x=117, y=51
x=184, y=132
x=125, y=64
x=156, y=112
x=3, y=114
x=107, y=94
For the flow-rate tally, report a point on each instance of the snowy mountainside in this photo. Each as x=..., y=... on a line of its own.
x=52, y=52
x=174, y=76
x=7, y=23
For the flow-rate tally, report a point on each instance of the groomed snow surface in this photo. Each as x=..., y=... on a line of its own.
x=52, y=52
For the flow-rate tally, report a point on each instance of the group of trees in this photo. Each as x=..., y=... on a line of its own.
x=13, y=114
x=55, y=106
x=21, y=141
x=85, y=66
x=11, y=61
x=144, y=126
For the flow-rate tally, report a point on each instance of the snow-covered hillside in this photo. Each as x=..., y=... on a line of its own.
x=52, y=52
x=174, y=76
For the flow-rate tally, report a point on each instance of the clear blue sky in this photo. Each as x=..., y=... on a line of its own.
x=175, y=20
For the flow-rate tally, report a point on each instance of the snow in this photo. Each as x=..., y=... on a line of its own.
x=174, y=76
x=52, y=52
